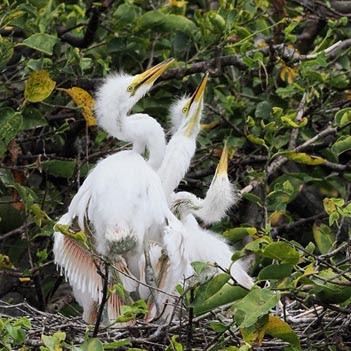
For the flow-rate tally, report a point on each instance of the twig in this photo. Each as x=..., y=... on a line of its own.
x=89, y=35
x=103, y=300
x=19, y=230
x=298, y=223
x=190, y=324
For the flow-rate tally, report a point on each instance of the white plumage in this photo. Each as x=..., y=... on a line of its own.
x=127, y=204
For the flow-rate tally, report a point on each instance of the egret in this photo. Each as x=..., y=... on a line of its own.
x=121, y=200
x=188, y=242
x=193, y=243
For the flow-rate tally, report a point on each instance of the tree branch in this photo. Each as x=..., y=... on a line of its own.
x=89, y=35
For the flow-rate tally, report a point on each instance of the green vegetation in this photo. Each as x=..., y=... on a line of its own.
x=279, y=92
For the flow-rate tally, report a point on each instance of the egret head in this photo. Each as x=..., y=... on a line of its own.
x=120, y=92
x=186, y=112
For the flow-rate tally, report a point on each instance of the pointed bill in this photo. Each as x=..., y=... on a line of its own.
x=149, y=76
x=196, y=98
x=222, y=167
x=199, y=92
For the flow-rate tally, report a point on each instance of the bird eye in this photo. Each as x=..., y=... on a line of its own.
x=130, y=88
x=185, y=110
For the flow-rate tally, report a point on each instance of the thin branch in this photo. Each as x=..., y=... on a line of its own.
x=103, y=300
x=19, y=230
x=89, y=35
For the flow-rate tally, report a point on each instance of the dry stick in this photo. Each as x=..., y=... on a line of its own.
x=103, y=300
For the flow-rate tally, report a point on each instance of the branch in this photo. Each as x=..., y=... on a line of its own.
x=103, y=300
x=19, y=230
x=89, y=35
x=298, y=223
x=281, y=160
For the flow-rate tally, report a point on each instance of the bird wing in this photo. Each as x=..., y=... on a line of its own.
x=80, y=268
x=207, y=246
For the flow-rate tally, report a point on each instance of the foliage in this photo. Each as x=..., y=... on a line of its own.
x=277, y=93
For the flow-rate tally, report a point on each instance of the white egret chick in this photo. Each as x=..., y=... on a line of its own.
x=182, y=145
x=220, y=196
x=121, y=200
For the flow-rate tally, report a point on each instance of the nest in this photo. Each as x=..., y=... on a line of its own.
x=317, y=327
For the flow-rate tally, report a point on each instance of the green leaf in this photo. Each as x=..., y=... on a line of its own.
x=42, y=42
x=257, y=303
x=291, y=122
x=302, y=157
x=53, y=342
x=166, y=22
x=236, y=234
x=256, y=140
x=341, y=145
x=281, y=251
x=199, y=266
x=93, y=344
x=275, y=271
x=328, y=291
x=126, y=13
x=116, y=344
x=263, y=110
x=211, y=287
x=33, y=118
x=175, y=345
x=177, y=23
x=324, y=237
x=6, y=51
x=151, y=19
x=343, y=117
x=218, y=327
x=11, y=123
x=226, y=295
x=64, y=169
x=17, y=334
x=253, y=198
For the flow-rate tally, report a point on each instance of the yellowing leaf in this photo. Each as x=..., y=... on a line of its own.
x=236, y=234
x=5, y=262
x=293, y=123
x=24, y=279
x=276, y=218
x=209, y=126
x=309, y=270
x=323, y=236
x=329, y=206
x=177, y=3
x=288, y=74
x=85, y=101
x=256, y=140
x=38, y=86
x=301, y=157
x=281, y=330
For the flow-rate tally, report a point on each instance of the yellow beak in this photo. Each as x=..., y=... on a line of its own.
x=197, y=98
x=222, y=167
x=199, y=92
x=149, y=76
